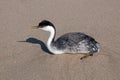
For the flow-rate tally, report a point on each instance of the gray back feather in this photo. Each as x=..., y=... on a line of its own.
x=71, y=40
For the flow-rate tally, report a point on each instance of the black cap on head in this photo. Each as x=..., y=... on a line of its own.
x=45, y=23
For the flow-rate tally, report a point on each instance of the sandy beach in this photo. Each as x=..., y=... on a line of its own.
x=23, y=54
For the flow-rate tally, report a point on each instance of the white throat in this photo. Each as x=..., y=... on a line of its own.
x=51, y=37
x=50, y=40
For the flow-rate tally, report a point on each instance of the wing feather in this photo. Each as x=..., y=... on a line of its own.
x=70, y=40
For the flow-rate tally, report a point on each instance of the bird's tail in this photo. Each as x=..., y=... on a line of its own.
x=95, y=46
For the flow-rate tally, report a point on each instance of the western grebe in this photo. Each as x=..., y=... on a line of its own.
x=75, y=42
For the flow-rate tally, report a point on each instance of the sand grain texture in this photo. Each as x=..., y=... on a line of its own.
x=20, y=60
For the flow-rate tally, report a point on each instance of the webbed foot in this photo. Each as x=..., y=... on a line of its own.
x=86, y=56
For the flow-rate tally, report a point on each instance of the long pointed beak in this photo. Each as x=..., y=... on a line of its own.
x=33, y=27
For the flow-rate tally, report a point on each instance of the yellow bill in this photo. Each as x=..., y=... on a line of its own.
x=33, y=27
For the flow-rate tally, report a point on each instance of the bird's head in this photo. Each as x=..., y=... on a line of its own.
x=44, y=25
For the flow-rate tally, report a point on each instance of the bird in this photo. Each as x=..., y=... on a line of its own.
x=72, y=42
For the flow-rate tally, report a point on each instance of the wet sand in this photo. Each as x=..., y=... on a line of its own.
x=23, y=55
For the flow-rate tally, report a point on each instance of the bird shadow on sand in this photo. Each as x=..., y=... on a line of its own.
x=36, y=41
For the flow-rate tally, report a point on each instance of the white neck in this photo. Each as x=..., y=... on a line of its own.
x=50, y=46
x=51, y=37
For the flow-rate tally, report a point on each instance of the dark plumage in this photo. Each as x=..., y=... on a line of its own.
x=70, y=41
